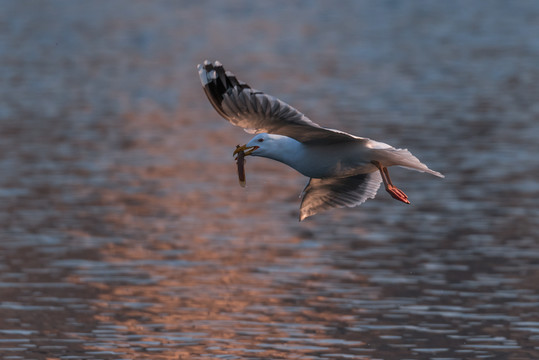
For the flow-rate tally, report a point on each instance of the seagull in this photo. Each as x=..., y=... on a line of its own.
x=344, y=169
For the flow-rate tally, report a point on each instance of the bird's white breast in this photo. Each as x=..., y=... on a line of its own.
x=324, y=161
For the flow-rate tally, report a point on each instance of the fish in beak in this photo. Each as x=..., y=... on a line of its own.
x=241, y=152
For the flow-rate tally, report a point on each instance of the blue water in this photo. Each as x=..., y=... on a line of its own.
x=125, y=235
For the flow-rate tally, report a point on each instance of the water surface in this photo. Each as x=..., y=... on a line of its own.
x=124, y=233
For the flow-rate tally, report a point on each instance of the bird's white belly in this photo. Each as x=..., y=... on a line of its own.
x=319, y=162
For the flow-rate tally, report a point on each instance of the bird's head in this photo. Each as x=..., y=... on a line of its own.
x=261, y=145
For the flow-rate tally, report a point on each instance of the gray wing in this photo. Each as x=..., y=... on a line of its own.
x=257, y=112
x=324, y=194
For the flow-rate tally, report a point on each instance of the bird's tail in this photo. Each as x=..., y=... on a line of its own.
x=404, y=158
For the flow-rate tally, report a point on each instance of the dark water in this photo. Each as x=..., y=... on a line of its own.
x=124, y=233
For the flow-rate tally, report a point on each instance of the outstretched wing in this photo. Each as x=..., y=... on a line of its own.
x=257, y=112
x=324, y=194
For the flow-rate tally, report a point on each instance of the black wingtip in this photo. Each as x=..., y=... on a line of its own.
x=217, y=82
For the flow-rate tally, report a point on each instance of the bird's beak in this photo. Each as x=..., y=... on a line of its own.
x=247, y=150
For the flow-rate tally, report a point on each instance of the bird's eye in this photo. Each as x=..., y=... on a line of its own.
x=260, y=140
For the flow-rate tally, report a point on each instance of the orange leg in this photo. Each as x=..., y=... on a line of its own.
x=395, y=192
